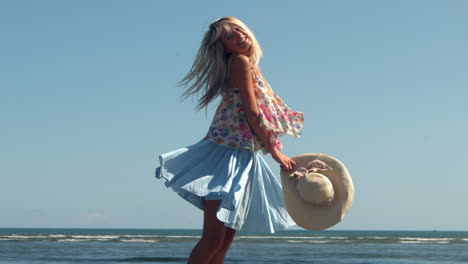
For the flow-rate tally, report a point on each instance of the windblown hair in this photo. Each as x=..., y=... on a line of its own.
x=210, y=70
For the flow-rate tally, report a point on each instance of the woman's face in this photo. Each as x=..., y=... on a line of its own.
x=237, y=41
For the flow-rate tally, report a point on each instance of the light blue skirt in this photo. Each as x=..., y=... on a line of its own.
x=252, y=200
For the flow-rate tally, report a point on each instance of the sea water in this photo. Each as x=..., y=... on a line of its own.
x=173, y=246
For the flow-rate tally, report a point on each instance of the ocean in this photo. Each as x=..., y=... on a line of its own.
x=37, y=246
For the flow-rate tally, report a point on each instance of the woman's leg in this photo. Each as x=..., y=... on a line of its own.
x=213, y=235
x=221, y=254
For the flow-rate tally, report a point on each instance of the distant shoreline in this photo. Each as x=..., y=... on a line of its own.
x=199, y=229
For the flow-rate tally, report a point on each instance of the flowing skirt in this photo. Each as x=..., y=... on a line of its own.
x=250, y=194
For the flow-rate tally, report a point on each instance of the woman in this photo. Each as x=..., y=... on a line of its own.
x=223, y=174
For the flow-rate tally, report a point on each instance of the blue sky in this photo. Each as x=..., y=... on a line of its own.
x=89, y=98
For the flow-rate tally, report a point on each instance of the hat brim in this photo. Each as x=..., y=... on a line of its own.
x=319, y=218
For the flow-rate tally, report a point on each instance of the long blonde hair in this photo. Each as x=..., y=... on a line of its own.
x=210, y=69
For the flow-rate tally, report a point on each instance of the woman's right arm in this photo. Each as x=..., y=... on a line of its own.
x=240, y=76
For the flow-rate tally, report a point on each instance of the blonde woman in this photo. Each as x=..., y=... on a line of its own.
x=223, y=174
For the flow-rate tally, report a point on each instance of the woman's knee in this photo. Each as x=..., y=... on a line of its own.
x=228, y=238
x=213, y=229
x=213, y=242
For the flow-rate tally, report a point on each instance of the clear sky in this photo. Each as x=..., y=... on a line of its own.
x=89, y=99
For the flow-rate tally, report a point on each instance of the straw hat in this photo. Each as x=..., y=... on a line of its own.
x=318, y=191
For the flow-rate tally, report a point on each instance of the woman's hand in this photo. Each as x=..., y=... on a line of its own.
x=286, y=163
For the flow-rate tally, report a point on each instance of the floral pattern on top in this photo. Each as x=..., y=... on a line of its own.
x=276, y=116
x=230, y=127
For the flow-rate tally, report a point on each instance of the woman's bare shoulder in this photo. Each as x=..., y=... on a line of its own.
x=240, y=66
x=240, y=62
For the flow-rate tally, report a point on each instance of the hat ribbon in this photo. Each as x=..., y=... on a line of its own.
x=313, y=166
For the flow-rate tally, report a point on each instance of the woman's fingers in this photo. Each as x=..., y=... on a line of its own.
x=293, y=162
x=287, y=165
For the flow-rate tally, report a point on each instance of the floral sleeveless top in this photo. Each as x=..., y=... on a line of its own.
x=230, y=127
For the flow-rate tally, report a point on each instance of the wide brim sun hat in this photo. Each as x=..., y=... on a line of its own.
x=318, y=191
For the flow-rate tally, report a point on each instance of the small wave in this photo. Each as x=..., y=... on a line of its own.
x=140, y=240
x=308, y=241
x=21, y=237
x=281, y=237
x=424, y=242
x=95, y=237
x=151, y=259
x=140, y=236
x=371, y=238
x=114, y=260
x=57, y=236
x=179, y=236
x=425, y=239
x=73, y=240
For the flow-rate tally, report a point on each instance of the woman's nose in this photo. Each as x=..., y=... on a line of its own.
x=240, y=35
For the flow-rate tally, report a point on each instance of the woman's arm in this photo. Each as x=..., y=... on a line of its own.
x=240, y=76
